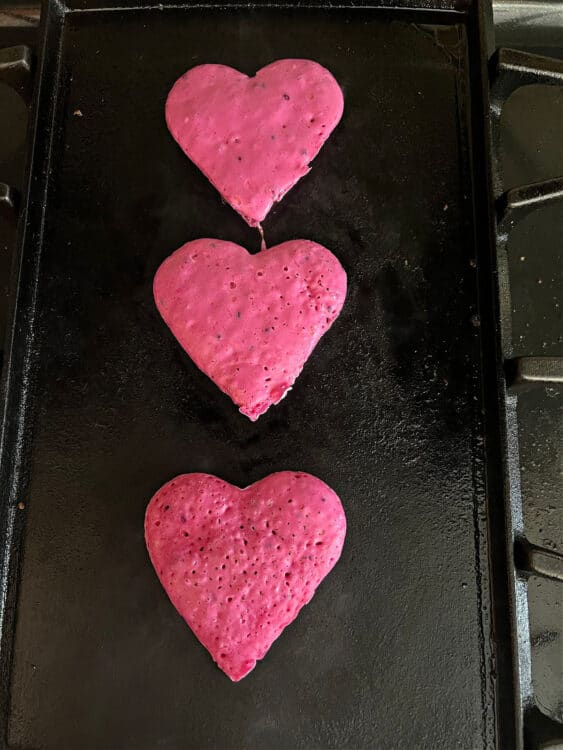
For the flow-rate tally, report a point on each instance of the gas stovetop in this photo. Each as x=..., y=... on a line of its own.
x=532, y=150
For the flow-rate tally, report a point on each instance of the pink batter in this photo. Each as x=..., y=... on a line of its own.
x=250, y=321
x=254, y=138
x=239, y=565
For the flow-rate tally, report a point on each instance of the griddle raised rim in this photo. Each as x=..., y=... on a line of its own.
x=18, y=371
x=459, y=8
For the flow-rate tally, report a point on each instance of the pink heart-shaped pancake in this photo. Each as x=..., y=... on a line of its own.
x=239, y=565
x=250, y=321
x=253, y=138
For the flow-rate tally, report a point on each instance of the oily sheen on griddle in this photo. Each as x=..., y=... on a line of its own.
x=254, y=138
x=239, y=564
x=250, y=321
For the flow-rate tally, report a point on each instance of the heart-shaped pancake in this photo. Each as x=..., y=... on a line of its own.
x=239, y=565
x=254, y=138
x=250, y=321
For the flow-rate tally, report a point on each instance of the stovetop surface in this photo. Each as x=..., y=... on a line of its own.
x=532, y=151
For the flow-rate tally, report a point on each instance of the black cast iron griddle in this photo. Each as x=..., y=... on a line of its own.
x=103, y=407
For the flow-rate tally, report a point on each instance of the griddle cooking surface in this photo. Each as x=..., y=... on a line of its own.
x=390, y=653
